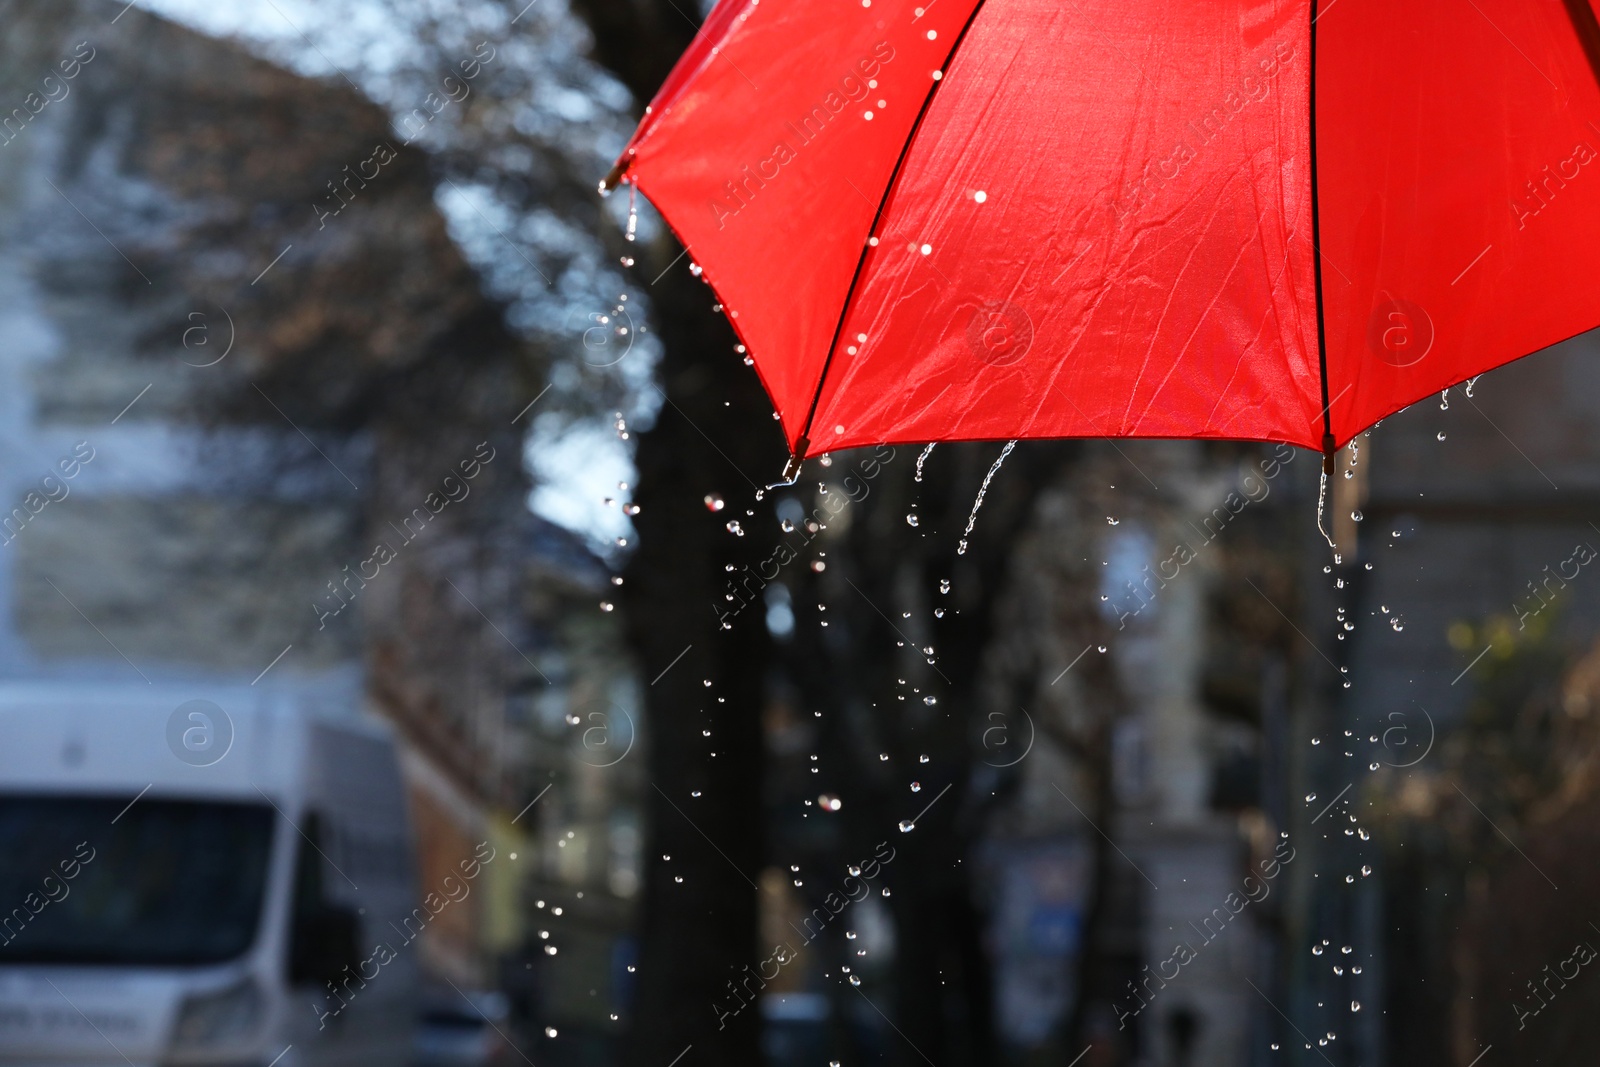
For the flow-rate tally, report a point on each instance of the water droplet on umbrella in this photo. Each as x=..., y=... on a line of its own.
x=923, y=458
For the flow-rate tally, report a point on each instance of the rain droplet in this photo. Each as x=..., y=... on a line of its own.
x=1441, y=435
x=855, y=979
x=786, y=526
x=606, y=605
x=972, y=519
x=922, y=759
x=829, y=802
x=911, y=518
x=930, y=701
x=906, y=826
x=1316, y=950
x=944, y=585
x=1356, y=515
x=1110, y=521
x=916, y=787
x=1355, y=1005
x=714, y=502
x=1397, y=624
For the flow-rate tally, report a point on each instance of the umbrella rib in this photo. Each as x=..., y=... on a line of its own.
x=855, y=279
x=1316, y=260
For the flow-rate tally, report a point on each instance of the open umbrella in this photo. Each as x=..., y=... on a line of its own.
x=1265, y=220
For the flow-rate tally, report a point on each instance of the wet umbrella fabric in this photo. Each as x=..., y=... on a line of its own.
x=981, y=219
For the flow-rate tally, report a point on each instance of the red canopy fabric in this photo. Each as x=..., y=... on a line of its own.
x=940, y=220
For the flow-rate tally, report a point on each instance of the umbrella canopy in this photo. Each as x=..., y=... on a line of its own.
x=936, y=220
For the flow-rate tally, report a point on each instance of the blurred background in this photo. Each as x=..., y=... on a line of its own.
x=400, y=661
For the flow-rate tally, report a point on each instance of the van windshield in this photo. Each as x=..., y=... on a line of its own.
x=98, y=880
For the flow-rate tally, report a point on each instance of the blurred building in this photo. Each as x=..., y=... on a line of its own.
x=250, y=442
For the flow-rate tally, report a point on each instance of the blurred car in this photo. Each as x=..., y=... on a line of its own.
x=201, y=881
x=463, y=1030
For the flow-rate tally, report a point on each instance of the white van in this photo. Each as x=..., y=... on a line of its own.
x=196, y=875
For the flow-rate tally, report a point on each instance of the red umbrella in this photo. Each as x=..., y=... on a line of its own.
x=1131, y=218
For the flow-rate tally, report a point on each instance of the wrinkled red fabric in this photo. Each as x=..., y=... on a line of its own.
x=973, y=219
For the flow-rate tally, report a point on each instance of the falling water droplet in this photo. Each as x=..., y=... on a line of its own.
x=911, y=518
x=1396, y=624
x=906, y=826
x=922, y=759
x=1441, y=435
x=714, y=502
x=786, y=526
x=972, y=519
x=1356, y=515
x=916, y=787
x=921, y=460
x=944, y=585
x=1355, y=1005
x=735, y=529
x=930, y=701
x=1110, y=521
x=855, y=979
x=1444, y=400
